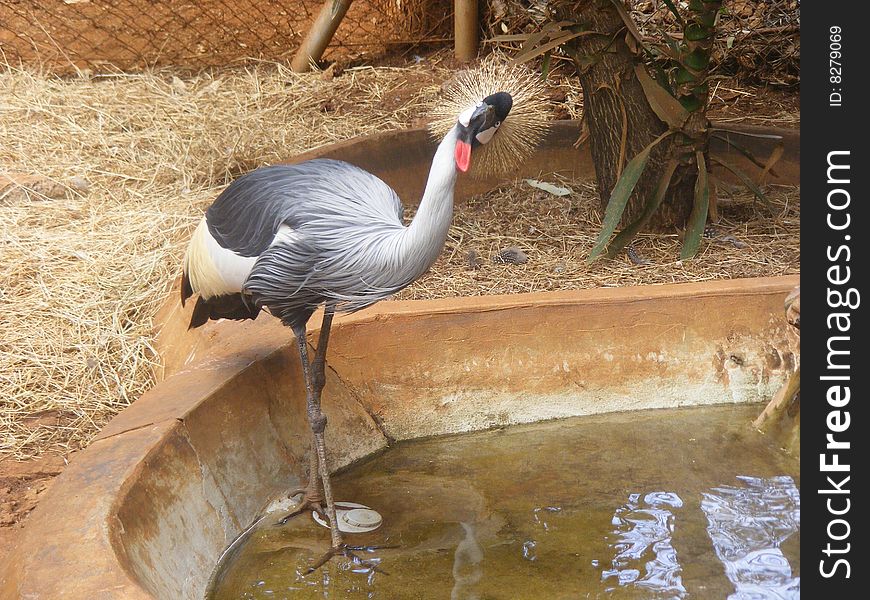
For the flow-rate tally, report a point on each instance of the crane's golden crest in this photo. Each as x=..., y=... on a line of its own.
x=522, y=130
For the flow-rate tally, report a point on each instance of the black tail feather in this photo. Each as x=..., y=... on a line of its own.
x=186, y=288
x=234, y=306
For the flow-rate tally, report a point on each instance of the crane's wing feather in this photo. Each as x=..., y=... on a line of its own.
x=246, y=217
x=319, y=231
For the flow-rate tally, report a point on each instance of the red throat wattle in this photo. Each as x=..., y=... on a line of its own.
x=463, y=155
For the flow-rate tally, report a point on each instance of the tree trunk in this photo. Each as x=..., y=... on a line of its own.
x=619, y=118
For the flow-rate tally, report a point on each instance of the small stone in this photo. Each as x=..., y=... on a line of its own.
x=473, y=260
x=178, y=86
x=79, y=183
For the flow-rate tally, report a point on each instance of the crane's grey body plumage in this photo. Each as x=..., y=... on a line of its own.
x=319, y=231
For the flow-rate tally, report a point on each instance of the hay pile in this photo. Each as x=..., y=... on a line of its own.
x=555, y=234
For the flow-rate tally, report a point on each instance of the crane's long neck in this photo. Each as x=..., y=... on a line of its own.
x=427, y=232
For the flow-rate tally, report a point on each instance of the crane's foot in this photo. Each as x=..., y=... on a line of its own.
x=310, y=501
x=349, y=552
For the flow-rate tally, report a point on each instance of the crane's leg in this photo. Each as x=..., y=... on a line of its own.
x=315, y=379
x=318, y=421
x=311, y=498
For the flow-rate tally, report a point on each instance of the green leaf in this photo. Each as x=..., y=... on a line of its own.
x=747, y=181
x=666, y=107
x=696, y=32
x=652, y=204
x=698, y=218
x=683, y=75
x=620, y=195
x=545, y=65
x=745, y=152
x=691, y=103
x=697, y=60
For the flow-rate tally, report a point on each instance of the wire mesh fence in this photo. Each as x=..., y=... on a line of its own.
x=128, y=35
x=759, y=39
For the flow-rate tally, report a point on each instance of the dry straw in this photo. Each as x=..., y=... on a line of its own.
x=557, y=232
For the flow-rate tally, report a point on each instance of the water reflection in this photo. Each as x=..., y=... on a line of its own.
x=747, y=525
x=645, y=557
x=512, y=514
x=466, y=566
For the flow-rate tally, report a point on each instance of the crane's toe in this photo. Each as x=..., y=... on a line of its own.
x=310, y=501
x=364, y=564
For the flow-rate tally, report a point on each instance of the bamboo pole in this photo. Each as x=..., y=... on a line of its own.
x=320, y=34
x=465, y=22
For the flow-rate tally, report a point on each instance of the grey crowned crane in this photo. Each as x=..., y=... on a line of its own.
x=289, y=238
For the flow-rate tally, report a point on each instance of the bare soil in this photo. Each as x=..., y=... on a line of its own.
x=21, y=486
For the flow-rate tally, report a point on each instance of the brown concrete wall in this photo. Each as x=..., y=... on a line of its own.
x=233, y=450
x=467, y=364
x=443, y=367
x=410, y=369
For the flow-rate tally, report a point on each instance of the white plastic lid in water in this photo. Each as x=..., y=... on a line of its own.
x=352, y=518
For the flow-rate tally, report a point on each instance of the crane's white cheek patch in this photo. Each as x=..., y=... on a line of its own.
x=465, y=115
x=484, y=136
x=234, y=269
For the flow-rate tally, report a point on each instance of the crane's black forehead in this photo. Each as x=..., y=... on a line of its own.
x=501, y=103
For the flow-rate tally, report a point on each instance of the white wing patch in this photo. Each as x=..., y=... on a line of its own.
x=286, y=236
x=214, y=270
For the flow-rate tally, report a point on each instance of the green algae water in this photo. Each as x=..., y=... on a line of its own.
x=685, y=503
